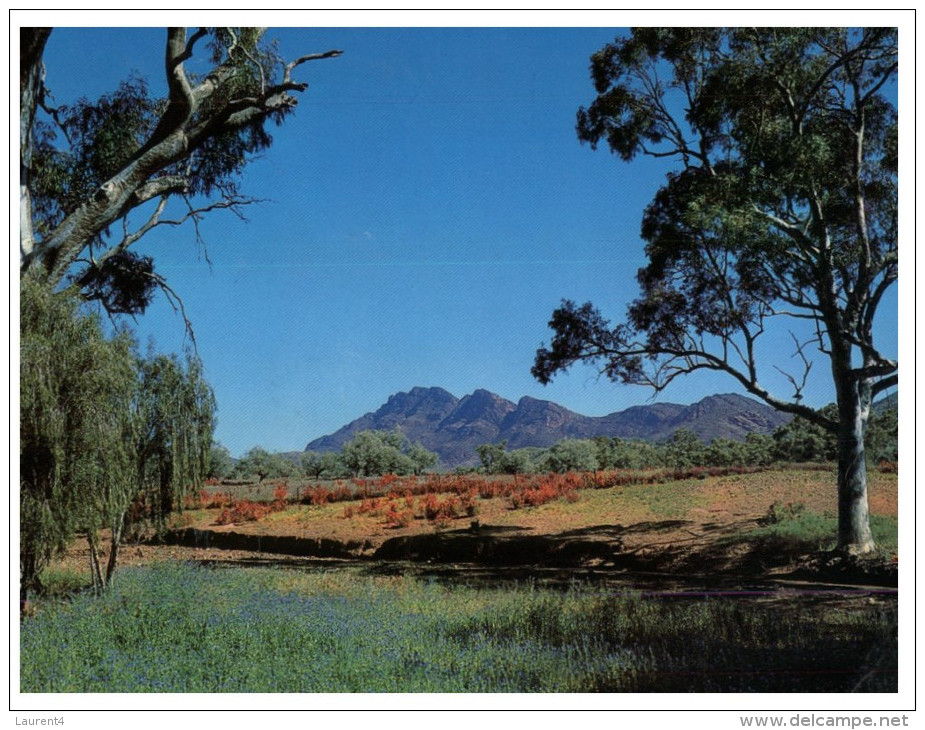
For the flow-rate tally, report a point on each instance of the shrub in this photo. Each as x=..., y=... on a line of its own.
x=778, y=512
x=888, y=467
x=244, y=511
x=398, y=518
x=369, y=506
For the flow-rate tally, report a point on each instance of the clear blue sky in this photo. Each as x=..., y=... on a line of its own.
x=426, y=208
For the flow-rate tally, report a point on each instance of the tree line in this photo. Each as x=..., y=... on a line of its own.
x=368, y=453
x=375, y=453
x=798, y=441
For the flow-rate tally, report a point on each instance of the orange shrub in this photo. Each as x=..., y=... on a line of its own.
x=398, y=518
x=243, y=511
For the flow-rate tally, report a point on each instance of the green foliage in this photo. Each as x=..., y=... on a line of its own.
x=496, y=459
x=327, y=465
x=76, y=426
x=179, y=628
x=491, y=456
x=260, y=463
x=101, y=430
x=759, y=449
x=882, y=439
x=572, y=455
x=373, y=453
x=221, y=464
x=684, y=449
x=101, y=136
x=778, y=512
x=800, y=441
x=175, y=408
x=794, y=527
x=617, y=453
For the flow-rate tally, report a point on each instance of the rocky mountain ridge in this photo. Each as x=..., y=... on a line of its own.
x=453, y=427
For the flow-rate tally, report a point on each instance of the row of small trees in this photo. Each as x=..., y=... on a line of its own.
x=108, y=438
x=798, y=441
x=369, y=453
x=374, y=453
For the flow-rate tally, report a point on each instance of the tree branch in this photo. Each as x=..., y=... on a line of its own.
x=882, y=385
x=291, y=66
x=171, y=141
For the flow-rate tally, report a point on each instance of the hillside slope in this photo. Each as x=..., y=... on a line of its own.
x=453, y=427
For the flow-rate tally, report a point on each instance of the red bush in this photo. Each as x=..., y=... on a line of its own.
x=430, y=506
x=281, y=494
x=398, y=518
x=243, y=511
x=369, y=506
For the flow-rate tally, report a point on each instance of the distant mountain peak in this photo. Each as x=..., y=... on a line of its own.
x=453, y=427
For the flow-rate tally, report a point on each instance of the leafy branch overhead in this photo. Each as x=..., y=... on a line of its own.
x=86, y=166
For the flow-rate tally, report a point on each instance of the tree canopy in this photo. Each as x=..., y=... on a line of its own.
x=90, y=165
x=782, y=206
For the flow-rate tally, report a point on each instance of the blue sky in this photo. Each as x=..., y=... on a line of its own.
x=426, y=208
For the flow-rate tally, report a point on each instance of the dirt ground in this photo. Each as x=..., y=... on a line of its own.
x=685, y=532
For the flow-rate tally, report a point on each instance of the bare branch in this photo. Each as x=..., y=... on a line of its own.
x=194, y=214
x=884, y=384
x=188, y=51
x=292, y=65
x=157, y=187
x=176, y=303
x=807, y=366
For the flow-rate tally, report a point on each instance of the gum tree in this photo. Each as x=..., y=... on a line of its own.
x=97, y=176
x=781, y=205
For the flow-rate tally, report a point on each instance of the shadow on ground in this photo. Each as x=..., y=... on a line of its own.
x=697, y=555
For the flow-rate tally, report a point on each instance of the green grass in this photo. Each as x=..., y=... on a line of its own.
x=813, y=531
x=180, y=628
x=60, y=581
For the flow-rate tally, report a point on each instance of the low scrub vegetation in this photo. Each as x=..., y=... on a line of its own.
x=178, y=628
x=402, y=499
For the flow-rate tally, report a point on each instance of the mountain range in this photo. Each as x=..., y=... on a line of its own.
x=453, y=427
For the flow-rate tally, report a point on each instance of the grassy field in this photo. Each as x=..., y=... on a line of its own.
x=727, y=499
x=175, y=622
x=181, y=628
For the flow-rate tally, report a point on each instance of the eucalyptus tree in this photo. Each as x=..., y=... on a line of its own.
x=102, y=431
x=684, y=449
x=571, y=455
x=97, y=176
x=221, y=463
x=782, y=206
x=373, y=453
x=258, y=462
